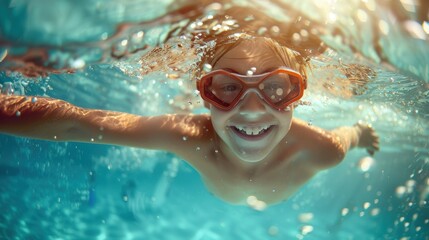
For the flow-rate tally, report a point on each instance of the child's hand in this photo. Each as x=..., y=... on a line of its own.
x=368, y=138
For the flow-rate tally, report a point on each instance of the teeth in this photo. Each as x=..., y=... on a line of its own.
x=252, y=130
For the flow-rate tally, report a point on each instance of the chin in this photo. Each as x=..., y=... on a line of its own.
x=251, y=157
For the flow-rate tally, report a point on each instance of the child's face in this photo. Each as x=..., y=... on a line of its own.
x=252, y=129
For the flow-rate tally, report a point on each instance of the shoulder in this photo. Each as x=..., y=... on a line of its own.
x=322, y=146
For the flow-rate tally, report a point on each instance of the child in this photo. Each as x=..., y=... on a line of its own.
x=249, y=147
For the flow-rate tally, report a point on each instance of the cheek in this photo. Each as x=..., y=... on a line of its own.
x=219, y=118
x=285, y=119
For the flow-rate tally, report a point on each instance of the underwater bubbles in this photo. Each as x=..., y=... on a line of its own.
x=128, y=45
x=207, y=67
x=77, y=63
x=366, y=163
x=305, y=217
x=119, y=49
x=273, y=230
x=405, y=189
x=136, y=41
x=306, y=229
x=256, y=204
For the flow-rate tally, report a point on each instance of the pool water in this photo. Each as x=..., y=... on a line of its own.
x=51, y=190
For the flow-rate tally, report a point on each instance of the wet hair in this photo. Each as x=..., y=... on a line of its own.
x=218, y=32
x=213, y=29
x=289, y=57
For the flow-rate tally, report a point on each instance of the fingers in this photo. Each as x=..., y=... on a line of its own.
x=372, y=149
x=369, y=137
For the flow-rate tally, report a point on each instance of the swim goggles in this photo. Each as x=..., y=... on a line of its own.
x=278, y=88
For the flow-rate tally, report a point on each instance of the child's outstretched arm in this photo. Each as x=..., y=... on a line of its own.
x=328, y=148
x=41, y=118
x=57, y=120
x=359, y=135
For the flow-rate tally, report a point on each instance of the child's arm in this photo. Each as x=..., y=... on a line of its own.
x=57, y=120
x=328, y=148
x=360, y=135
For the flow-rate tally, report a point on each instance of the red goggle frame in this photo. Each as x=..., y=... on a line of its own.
x=278, y=88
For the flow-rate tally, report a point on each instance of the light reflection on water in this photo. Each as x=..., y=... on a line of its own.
x=363, y=198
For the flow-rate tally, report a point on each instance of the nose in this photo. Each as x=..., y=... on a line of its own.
x=252, y=105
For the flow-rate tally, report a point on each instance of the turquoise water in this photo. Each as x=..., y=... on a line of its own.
x=81, y=191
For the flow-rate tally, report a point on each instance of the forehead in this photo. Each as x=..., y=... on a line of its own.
x=252, y=53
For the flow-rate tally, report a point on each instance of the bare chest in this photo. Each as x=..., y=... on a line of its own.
x=271, y=185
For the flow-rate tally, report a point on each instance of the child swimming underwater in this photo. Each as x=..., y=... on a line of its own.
x=248, y=146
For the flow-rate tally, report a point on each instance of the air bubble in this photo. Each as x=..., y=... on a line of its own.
x=34, y=99
x=375, y=212
x=77, y=63
x=256, y=204
x=262, y=30
x=136, y=41
x=104, y=36
x=18, y=113
x=296, y=38
x=207, y=67
x=137, y=37
x=273, y=230
x=249, y=73
x=304, y=33
x=366, y=205
x=172, y=76
x=306, y=229
x=120, y=48
x=366, y=163
x=400, y=191
x=275, y=30
x=305, y=217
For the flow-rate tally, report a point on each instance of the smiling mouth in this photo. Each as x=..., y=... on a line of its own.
x=252, y=133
